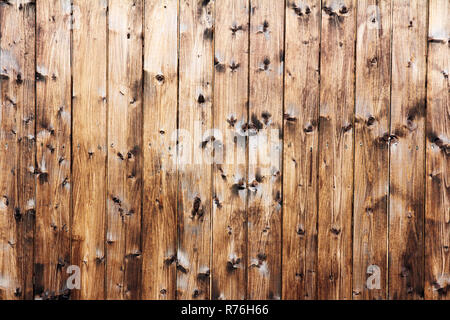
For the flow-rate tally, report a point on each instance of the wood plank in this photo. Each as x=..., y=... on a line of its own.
x=123, y=263
x=265, y=149
x=89, y=69
x=230, y=114
x=373, y=81
x=159, y=228
x=437, y=227
x=336, y=149
x=17, y=145
x=53, y=105
x=301, y=119
x=195, y=174
x=406, y=204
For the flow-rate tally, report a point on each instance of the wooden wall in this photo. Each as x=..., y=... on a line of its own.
x=311, y=159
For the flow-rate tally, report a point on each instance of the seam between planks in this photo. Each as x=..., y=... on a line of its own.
x=141, y=281
x=318, y=152
x=283, y=101
x=105, y=225
x=388, y=202
x=425, y=152
x=177, y=244
x=247, y=139
x=35, y=151
x=211, y=183
x=355, y=57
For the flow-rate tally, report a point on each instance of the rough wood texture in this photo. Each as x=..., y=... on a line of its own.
x=53, y=159
x=265, y=149
x=336, y=149
x=301, y=120
x=311, y=160
x=17, y=147
x=437, y=198
x=196, y=58
x=373, y=79
x=89, y=131
x=406, y=203
x=159, y=232
x=230, y=166
x=123, y=264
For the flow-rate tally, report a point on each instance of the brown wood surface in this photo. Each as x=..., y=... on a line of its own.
x=53, y=157
x=437, y=174
x=123, y=231
x=195, y=83
x=335, y=167
x=407, y=150
x=230, y=176
x=265, y=130
x=370, y=198
x=18, y=149
x=232, y=149
x=89, y=149
x=301, y=124
x=159, y=232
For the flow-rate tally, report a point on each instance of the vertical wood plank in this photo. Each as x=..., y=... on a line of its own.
x=373, y=80
x=406, y=204
x=195, y=149
x=336, y=149
x=301, y=119
x=230, y=115
x=123, y=264
x=17, y=146
x=53, y=106
x=159, y=228
x=89, y=101
x=265, y=149
x=437, y=227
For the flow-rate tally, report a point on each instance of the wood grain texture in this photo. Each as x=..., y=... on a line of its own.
x=406, y=203
x=89, y=134
x=196, y=56
x=232, y=149
x=53, y=142
x=301, y=119
x=437, y=197
x=17, y=146
x=123, y=263
x=159, y=231
x=265, y=130
x=372, y=110
x=230, y=166
x=336, y=149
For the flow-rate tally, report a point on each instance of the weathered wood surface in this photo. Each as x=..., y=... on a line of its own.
x=89, y=145
x=18, y=148
x=301, y=145
x=370, y=198
x=159, y=232
x=195, y=89
x=311, y=160
x=265, y=129
x=123, y=231
x=437, y=174
x=53, y=142
x=230, y=176
x=407, y=154
x=335, y=166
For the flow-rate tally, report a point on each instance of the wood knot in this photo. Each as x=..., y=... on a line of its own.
x=335, y=231
x=201, y=99
x=234, y=66
x=160, y=78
